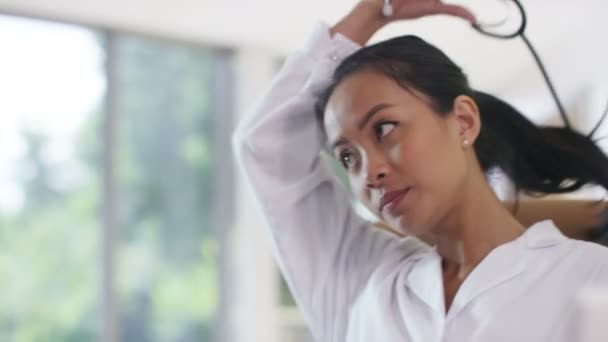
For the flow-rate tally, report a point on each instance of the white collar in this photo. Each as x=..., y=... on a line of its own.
x=507, y=261
x=542, y=234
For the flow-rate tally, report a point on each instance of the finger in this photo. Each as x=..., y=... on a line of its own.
x=454, y=10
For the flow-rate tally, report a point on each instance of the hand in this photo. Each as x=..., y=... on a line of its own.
x=412, y=9
x=366, y=18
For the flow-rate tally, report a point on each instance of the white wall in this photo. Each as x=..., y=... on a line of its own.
x=256, y=296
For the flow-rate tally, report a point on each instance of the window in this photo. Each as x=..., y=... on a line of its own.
x=52, y=88
x=169, y=151
x=168, y=247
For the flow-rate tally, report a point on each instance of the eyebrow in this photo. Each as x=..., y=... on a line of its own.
x=366, y=118
x=338, y=142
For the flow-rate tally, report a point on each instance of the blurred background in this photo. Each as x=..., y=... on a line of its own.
x=122, y=217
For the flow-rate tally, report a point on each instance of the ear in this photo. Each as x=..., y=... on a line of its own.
x=466, y=115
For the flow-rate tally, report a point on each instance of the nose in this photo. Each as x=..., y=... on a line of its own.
x=377, y=172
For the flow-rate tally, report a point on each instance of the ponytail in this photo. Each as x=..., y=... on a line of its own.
x=537, y=159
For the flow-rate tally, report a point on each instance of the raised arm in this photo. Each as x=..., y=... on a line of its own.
x=325, y=251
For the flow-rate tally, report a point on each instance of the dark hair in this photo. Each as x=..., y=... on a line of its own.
x=537, y=159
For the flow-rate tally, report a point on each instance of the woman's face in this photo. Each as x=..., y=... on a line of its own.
x=405, y=162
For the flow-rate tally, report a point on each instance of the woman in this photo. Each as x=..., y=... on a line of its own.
x=416, y=143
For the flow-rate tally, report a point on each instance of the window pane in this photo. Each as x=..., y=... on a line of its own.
x=168, y=250
x=52, y=88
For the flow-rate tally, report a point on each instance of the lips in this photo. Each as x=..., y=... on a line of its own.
x=391, y=200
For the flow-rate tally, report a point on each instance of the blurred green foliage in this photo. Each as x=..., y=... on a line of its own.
x=167, y=277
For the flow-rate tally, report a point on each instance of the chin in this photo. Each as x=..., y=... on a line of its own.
x=409, y=225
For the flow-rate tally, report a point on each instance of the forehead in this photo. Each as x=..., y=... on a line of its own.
x=360, y=92
x=355, y=93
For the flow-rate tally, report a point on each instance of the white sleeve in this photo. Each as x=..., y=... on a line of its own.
x=324, y=250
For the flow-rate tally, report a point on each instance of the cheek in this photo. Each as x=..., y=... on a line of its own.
x=394, y=154
x=430, y=159
x=445, y=172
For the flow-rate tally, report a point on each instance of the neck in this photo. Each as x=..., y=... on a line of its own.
x=470, y=231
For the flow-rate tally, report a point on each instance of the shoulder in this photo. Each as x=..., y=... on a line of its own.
x=545, y=234
x=590, y=251
x=583, y=260
x=591, y=259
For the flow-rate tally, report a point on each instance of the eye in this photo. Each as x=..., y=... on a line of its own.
x=348, y=159
x=384, y=128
